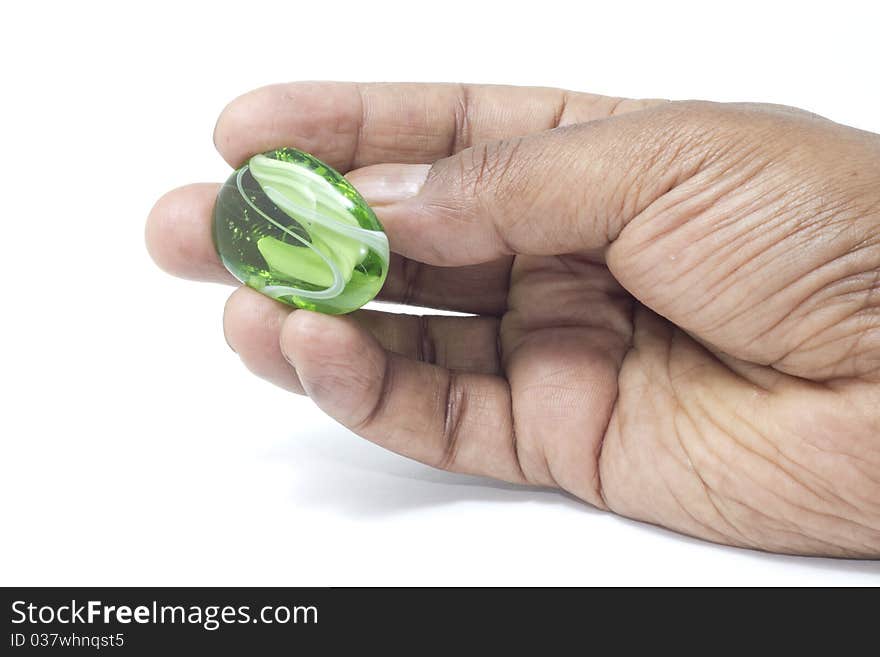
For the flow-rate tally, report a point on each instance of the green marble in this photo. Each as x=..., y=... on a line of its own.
x=293, y=228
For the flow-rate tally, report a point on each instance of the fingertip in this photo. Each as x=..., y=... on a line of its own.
x=310, y=336
x=339, y=363
x=160, y=222
x=251, y=325
x=178, y=234
x=231, y=124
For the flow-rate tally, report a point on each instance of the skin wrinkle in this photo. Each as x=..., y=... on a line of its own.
x=493, y=167
x=481, y=173
x=828, y=371
x=379, y=406
x=542, y=450
x=730, y=319
x=779, y=452
x=614, y=421
x=632, y=204
x=810, y=294
x=715, y=191
x=865, y=474
x=720, y=431
x=505, y=162
x=710, y=139
x=615, y=105
x=559, y=113
x=725, y=284
x=757, y=233
x=817, y=217
x=598, y=488
x=501, y=239
x=427, y=350
x=874, y=506
x=461, y=134
x=747, y=536
x=773, y=524
x=757, y=376
x=856, y=458
x=612, y=414
x=618, y=215
x=562, y=325
x=794, y=531
x=631, y=354
x=712, y=532
x=411, y=272
x=692, y=470
x=671, y=149
x=867, y=305
x=732, y=283
x=824, y=346
x=753, y=264
x=696, y=471
x=359, y=134
x=791, y=478
x=850, y=354
x=719, y=536
x=679, y=410
x=716, y=534
x=503, y=358
x=800, y=347
x=552, y=375
x=454, y=408
x=870, y=305
x=843, y=224
x=516, y=445
x=617, y=304
x=481, y=157
x=865, y=500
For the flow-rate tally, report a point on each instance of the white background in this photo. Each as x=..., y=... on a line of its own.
x=135, y=447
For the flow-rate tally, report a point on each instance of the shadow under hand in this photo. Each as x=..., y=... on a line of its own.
x=338, y=469
x=334, y=468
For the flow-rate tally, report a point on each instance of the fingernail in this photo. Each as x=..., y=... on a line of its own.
x=384, y=184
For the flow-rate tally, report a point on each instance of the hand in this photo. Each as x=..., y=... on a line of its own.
x=677, y=304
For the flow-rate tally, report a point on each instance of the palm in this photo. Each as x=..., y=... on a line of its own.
x=622, y=408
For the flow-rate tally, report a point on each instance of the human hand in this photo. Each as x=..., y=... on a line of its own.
x=678, y=304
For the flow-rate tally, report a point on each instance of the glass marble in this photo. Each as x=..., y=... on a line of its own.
x=293, y=228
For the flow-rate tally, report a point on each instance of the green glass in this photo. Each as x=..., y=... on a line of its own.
x=293, y=228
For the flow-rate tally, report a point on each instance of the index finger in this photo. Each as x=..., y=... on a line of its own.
x=350, y=125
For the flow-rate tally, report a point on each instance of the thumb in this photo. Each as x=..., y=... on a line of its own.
x=554, y=192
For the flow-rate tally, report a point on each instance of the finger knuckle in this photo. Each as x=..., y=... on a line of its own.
x=491, y=168
x=454, y=408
